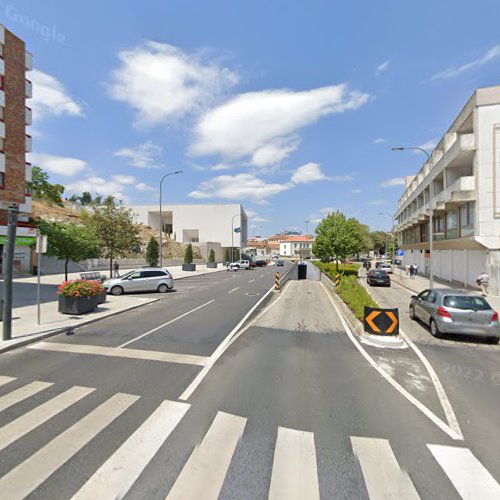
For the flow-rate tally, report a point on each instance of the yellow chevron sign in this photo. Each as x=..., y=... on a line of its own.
x=381, y=321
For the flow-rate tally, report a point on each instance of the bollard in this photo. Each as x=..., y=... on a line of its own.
x=337, y=281
x=277, y=282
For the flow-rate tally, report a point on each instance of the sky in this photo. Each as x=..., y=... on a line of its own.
x=287, y=107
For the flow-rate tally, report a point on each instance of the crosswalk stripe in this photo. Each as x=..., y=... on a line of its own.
x=117, y=475
x=24, y=392
x=204, y=473
x=383, y=476
x=29, y=421
x=5, y=380
x=295, y=474
x=465, y=471
x=28, y=475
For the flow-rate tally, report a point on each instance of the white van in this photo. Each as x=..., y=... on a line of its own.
x=240, y=264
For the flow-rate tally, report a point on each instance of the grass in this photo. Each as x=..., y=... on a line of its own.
x=330, y=268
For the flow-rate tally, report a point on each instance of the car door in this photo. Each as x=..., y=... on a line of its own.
x=132, y=282
x=419, y=302
x=428, y=306
x=151, y=280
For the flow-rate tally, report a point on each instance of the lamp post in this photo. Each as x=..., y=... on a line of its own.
x=392, y=232
x=431, y=212
x=307, y=226
x=161, y=217
x=254, y=228
x=232, y=236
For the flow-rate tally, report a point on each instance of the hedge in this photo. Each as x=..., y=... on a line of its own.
x=330, y=268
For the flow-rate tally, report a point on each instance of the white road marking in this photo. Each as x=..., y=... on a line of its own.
x=251, y=280
x=32, y=419
x=205, y=471
x=261, y=276
x=24, y=392
x=233, y=290
x=166, y=324
x=5, y=380
x=117, y=475
x=28, y=475
x=465, y=471
x=295, y=474
x=414, y=401
x=222, y=347
x=116, y=352
x=382, y=474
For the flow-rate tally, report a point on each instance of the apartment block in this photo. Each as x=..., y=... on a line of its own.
x=15, y=172
x=460, y=183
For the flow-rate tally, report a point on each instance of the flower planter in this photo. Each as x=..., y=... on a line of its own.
x=189, y=267
x=101, y=298
x=77, y=305
x=212, y=265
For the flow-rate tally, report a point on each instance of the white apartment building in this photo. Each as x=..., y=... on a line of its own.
x=209, y=226
x=461, y=184
x=296, y=246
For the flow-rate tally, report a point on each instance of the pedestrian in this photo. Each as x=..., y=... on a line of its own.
x=483, y=280
x=116, y=270
x=415, y=270
x=407, y=268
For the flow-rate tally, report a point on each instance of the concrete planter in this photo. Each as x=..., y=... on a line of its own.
x=77, y=305
x=212, y=265
x=101, y=298
x=189, y=267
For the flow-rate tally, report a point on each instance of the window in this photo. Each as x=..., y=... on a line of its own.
x=467, y=219
x=452, y=225
x=432, y=297
x=135, y=276
x=1, y=113
x=153, y=274
x=2, y=180
x=424, y=295
x=1, y=144
x=439, y=228
x=466, y=302
x=1, y=82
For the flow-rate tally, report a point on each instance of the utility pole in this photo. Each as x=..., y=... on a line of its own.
x=307, y=226
x=8, y=269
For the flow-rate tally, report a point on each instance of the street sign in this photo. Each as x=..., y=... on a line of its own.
x=237, y=229
x=41, y=244
x=20, y=240
x=400, y=252
x=381, y=321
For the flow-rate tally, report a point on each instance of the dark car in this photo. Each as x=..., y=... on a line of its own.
x=375, y=277
x=261, y=263
x=280, y=263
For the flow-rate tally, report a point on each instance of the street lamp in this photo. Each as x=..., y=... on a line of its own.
x=254, y=228
x=232, y=236
x=161, y=217
x=392, y=232
x=307, y=225
x=431, y=212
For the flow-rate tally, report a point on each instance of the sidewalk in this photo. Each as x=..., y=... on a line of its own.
x=421, y=283
x=24, y=323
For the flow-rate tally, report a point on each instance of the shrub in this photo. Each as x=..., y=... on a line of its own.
x=226, y=255
x=152, y=252
x=330, y=268
x=80, y=288
x=188, y=254
x=211, y=256
x=355, y=296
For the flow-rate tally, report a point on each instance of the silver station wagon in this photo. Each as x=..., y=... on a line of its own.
x=447, y=310
x=146, y=279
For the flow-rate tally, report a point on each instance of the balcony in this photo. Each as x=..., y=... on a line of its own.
x=2, y=130
x=2, y=162
x=28, y=171
x=28, y=61
x=28, y=143
x=28, y=89
x=2, y=66
x=28, y=116
x=2, y=98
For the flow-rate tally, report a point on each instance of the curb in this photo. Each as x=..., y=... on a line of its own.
x=62, y=329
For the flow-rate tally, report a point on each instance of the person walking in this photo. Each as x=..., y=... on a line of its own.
x=408, y=268
x=483, y=280
x=116, y=270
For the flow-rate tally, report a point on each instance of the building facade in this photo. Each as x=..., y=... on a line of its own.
x=296, y=246
x=210, y=226
x=15, y=172
x=460, y=183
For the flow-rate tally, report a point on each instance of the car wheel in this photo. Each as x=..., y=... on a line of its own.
x=116, y=290
x=162, y=288
x=412, y=313
x=435, y=330
x=493, y=340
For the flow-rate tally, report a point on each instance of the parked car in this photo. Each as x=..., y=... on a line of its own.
x=260, y=263
x=376, y=277
x=145, y=279
x=280, y=263
x=385, y=267
x=447, y=310
x=240, y=264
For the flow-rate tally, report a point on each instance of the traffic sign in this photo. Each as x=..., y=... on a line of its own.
x=237, y=229
x=41, y=244
x=400, y=252
x=381, y=321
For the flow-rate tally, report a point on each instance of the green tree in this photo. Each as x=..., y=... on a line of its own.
x=152, y=252
x=42, y=189
x=69, y=241
x=338, y=237
x=211, y=256
x=188, y=254
x=379, y=239
x=115, y=228
x=226, y=255
x=85, y=198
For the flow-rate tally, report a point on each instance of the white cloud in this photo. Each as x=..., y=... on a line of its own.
x=60, y=165
x=396, y=181
x=220, y=166
x=123, y=179
x=260, y=219
x=356, y=191
x=376, y=202
x=141, y=186
x=310, y=172
x=342, y=178
x=161, y=82
x=98, y=185
x=326, y=210
x=50, y=97
x=255, y=217
x=143, y=156
x=379, y=140
x=382, y=67
x=261, y=126
x=455, y=71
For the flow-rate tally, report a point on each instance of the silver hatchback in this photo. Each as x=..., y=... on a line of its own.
x=448, y=310
x=146, y=279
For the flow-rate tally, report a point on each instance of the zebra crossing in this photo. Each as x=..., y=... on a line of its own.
x=293, y=475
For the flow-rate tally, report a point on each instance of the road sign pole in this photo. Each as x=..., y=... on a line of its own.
x=38, y=273
x=8, y=270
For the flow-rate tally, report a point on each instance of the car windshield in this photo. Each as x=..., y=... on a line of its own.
x=379, y=274
x=466, y=302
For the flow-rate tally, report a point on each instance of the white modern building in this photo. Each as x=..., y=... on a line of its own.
x=461, y=185
x=217, y=226
x=296, y=246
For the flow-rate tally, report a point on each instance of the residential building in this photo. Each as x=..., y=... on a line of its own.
x=273, y=242
x=15, y=173
x=297, y=246
x=460, y=183
x=257, y=246
x=209, y=226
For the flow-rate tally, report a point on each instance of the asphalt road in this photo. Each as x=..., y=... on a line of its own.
x=156, y=403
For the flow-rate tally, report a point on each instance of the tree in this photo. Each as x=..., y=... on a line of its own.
x=152, y=252
x=211, y=255
x=69, y=241
x=42, y=189
x=379, y=239
x=188, y=254
x=115, y=228
x=338, y=237
x=226, y=255
x=85, y=198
